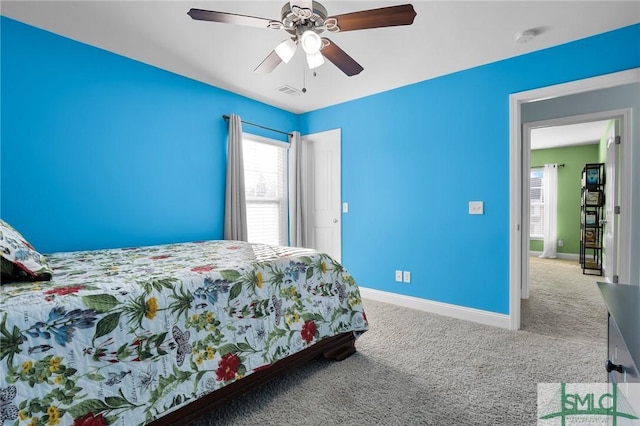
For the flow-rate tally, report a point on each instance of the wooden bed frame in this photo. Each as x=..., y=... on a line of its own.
x=337, y=348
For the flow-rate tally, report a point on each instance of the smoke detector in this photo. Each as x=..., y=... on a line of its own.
x=526, y=36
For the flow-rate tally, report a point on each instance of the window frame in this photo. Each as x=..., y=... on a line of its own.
x=283, y=203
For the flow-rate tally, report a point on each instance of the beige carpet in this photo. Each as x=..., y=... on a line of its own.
x=563, y=302
x=416, y=368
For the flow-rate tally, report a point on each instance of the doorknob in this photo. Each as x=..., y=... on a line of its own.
x=603, y=221
x=335, y=220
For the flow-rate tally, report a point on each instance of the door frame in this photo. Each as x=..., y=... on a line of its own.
x=517, y=169
x=611, y=262
x=624, y=115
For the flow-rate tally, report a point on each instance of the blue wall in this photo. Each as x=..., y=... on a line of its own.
x=102, y=151
x=414, y=157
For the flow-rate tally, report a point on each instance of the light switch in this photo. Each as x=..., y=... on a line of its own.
x=476, y=207
x=345, y=207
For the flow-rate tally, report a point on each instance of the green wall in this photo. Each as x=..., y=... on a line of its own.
x=574, y=158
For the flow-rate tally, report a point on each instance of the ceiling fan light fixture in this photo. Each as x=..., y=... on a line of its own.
x=314, y=60
x=304, y=21
x=331, y=25
x=286, y=50
x=302, y=12
x=310, y=42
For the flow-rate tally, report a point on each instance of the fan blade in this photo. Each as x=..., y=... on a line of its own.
x=232, y=18
x=374, y=18
x=269, y=63
x=340, y=58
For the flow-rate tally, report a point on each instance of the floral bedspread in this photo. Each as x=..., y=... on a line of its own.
x=123, y=336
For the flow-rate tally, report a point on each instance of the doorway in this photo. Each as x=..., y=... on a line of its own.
x=562, y=294
x=519, y=170
x=569, y=143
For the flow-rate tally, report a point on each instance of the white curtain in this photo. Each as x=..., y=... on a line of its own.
x=550, y=187
x=235, y=206
x=297, y=223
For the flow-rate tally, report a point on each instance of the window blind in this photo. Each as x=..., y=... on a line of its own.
x=536, y=208
x=265, y=165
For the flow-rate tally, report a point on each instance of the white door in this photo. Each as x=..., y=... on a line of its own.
x=323, y=194
x=610, y=221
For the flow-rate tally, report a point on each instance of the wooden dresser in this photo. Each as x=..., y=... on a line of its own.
x=623, y=304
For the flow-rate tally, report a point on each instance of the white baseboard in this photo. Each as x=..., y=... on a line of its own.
x=567, y=256
x=454, y=311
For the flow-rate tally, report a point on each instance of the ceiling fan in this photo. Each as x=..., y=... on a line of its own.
x=305, y=20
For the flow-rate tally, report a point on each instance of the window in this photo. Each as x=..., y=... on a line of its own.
x=265, y=177
x=536, y=209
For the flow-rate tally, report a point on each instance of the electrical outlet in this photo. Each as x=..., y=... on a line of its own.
x=399, y=276
x=406, y=276
x=560, y=243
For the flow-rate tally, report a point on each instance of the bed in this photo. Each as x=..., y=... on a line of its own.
x=161, y=334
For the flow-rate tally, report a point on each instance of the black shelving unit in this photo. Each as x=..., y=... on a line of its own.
x=591, y=213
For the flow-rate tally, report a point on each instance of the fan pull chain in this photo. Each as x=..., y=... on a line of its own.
x=304, y=79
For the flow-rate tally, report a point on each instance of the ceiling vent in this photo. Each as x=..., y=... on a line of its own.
x=289, y=90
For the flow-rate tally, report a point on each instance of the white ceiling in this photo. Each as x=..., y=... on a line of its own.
x=447, y=36
x=568, y=135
